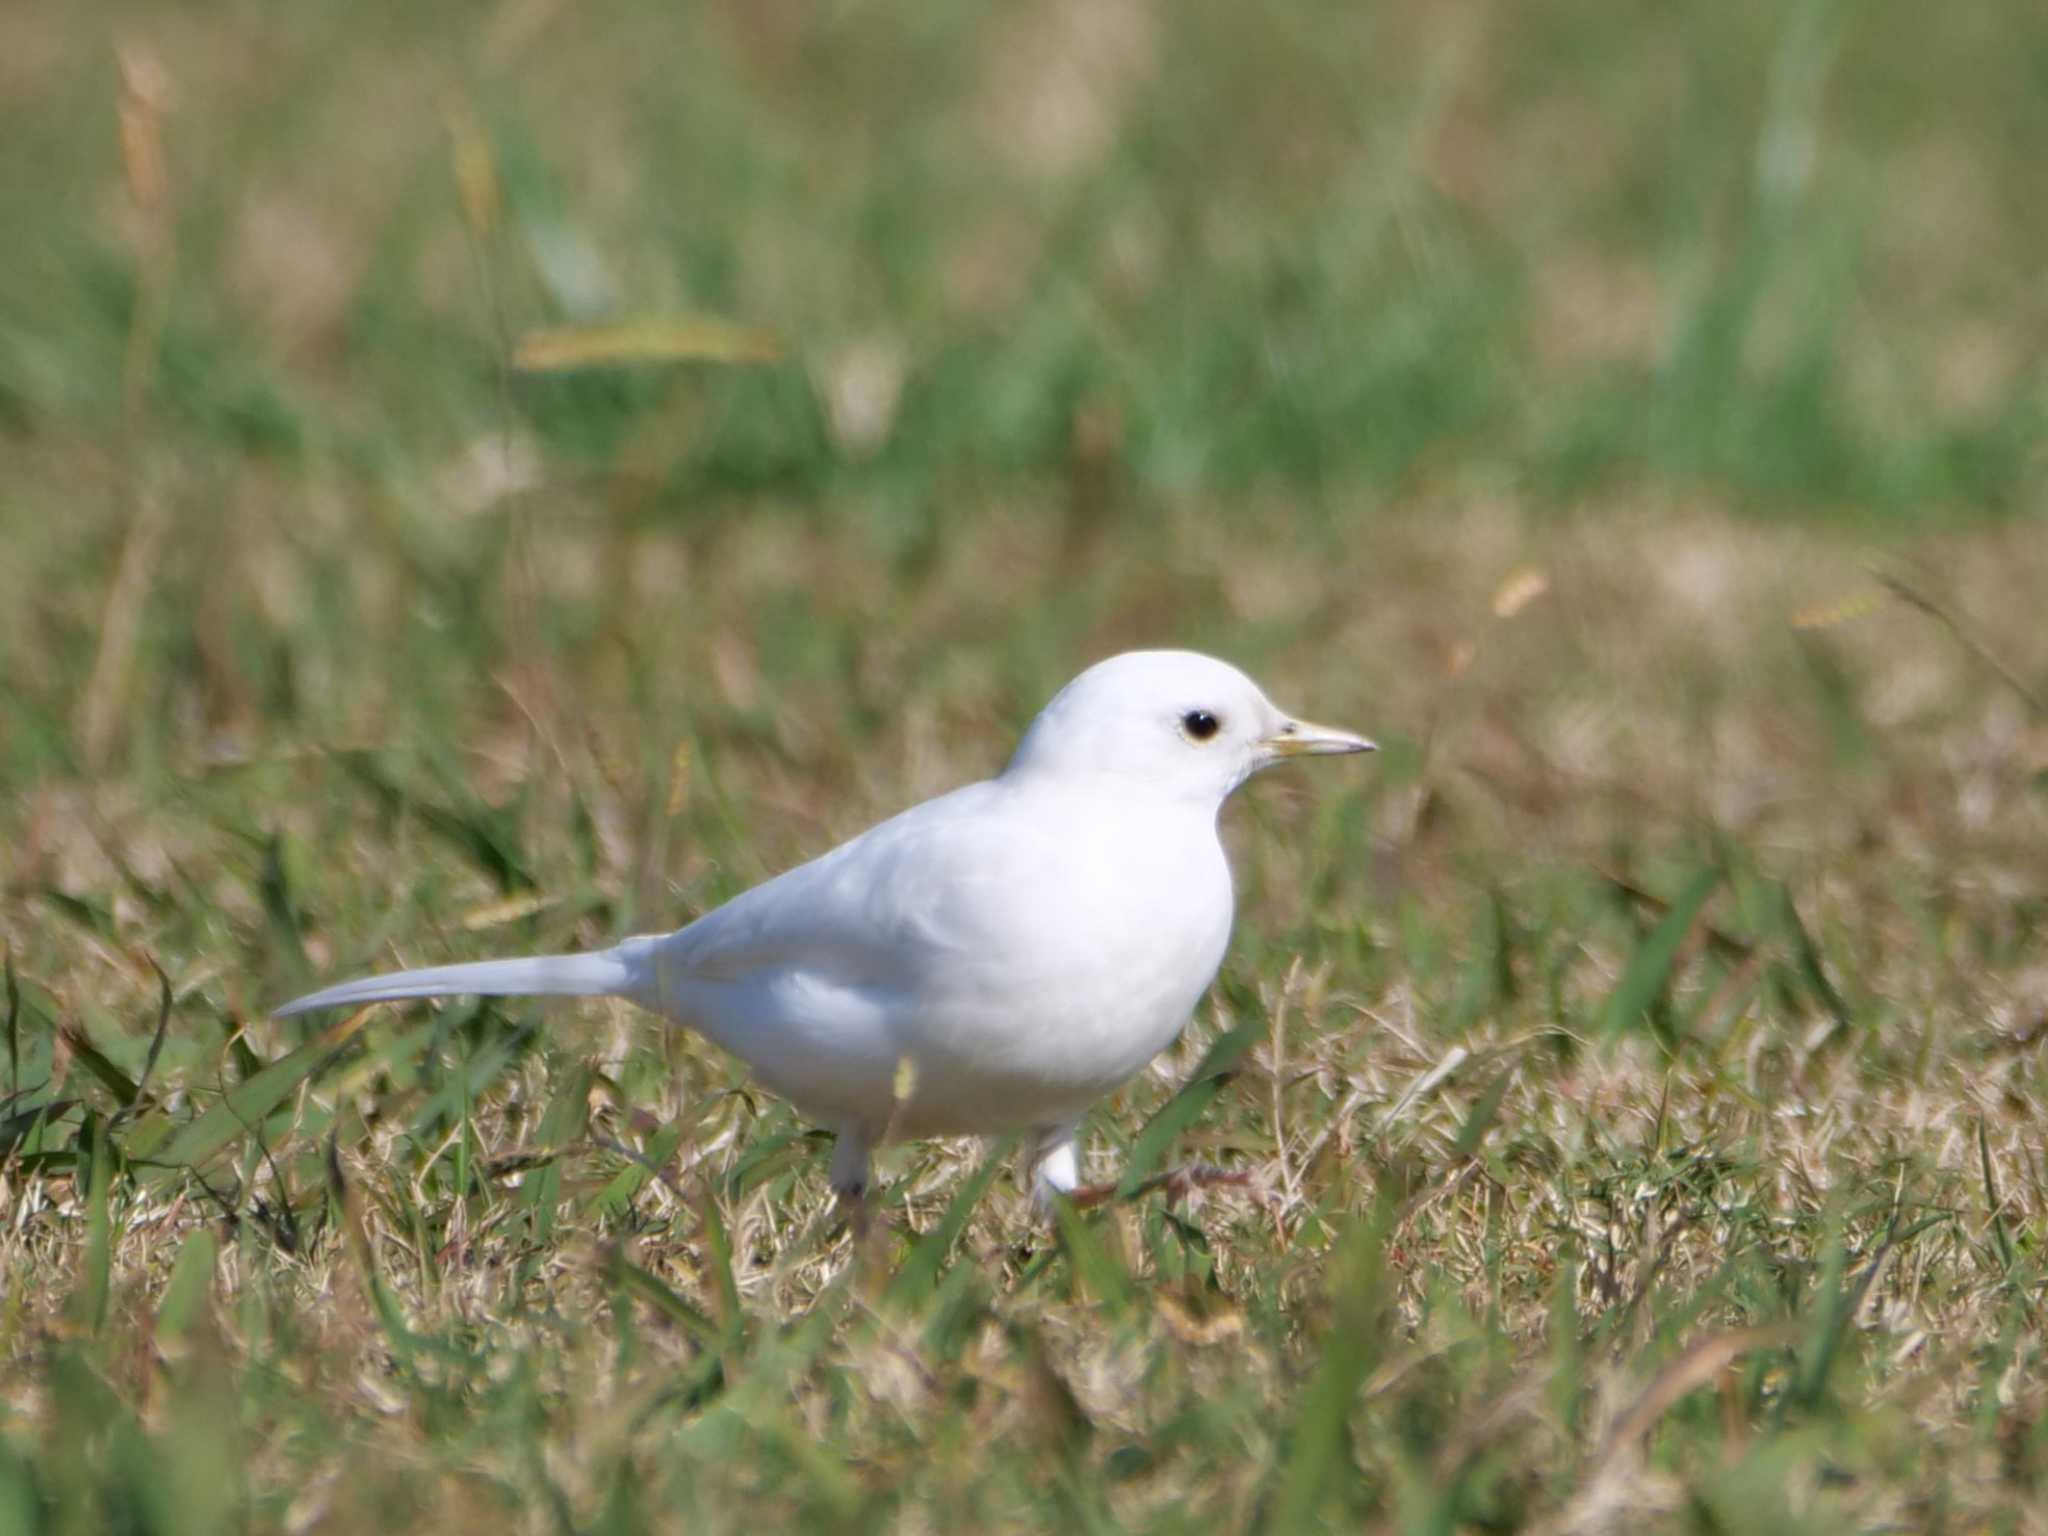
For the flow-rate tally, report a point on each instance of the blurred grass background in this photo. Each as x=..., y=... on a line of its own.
x=1650, y=1134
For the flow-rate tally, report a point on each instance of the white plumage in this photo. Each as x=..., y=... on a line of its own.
x=993, y=960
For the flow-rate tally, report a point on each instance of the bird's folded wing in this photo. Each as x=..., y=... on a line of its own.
x=884, y=910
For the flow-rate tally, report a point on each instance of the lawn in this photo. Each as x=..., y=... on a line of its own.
x=492, y=478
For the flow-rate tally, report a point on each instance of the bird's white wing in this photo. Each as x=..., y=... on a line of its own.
x=888, y=910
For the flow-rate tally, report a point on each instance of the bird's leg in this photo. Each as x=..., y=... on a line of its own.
x=1054, y=1161
x=849, y=1174
x=1056, y=1171
x=1177, y=1182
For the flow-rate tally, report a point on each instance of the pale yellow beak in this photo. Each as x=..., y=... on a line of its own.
x=1300, y=738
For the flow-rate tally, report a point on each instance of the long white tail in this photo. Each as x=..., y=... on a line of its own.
x=625, y=970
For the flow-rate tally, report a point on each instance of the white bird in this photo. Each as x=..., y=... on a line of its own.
x=993, y=960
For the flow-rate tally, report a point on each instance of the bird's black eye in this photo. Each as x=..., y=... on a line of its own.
x=1200, y=724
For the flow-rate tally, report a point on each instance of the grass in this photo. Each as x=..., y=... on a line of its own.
x=1631, y=418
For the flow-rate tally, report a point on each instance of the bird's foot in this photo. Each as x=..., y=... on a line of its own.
x=1178, y=1183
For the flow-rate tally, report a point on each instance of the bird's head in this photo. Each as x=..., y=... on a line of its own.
x=1174, y=724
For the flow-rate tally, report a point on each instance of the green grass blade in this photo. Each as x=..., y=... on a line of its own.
x=920, y=1271
x=1346, y=1354
x=719, y=1243
x=87, y=1308
x=1094, y=1267
x=1992, y=1203
x=189, y=1289
x=627, y=1183
x=645, y=1287
x=567, y=1114
x=23, y=1125
x=274, y=885
x=89, y=1056
x=156, y=1041
x=1484, y=1112
x=1827, y=1321
x=483, y=836
x=1649, y=968
x=248, y=1103
x=1806, y=956
x=1210, y=1078
x=13, y=1028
